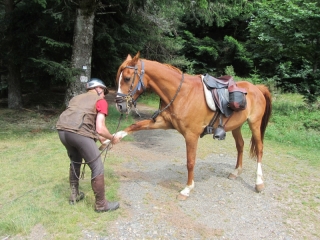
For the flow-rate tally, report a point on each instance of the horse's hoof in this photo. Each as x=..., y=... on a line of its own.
x=232, y=176
x=182, y=197
x=259, y=187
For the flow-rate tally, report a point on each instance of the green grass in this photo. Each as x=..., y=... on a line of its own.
x=34, y=179
x=150, y=99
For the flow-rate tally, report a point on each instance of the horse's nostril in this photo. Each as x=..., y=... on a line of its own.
x=118, y=99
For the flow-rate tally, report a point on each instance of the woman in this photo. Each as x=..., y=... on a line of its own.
x=79, y=127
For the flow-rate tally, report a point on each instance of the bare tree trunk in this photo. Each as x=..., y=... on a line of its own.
x=82, y=51
x=14, y=89
x=14, y=75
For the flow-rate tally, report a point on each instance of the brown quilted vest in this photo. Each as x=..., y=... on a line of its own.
x=80, y=115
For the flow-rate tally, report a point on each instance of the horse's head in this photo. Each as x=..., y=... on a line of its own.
x=130, y=83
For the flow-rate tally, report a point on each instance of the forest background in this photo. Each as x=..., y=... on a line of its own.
x=49, y=44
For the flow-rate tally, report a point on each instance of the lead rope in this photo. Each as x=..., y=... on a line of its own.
x=105, y=149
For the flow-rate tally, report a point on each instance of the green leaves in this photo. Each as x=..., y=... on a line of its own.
x=282, y=30
x=43, y=3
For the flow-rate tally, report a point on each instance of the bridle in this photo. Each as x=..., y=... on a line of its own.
x=120, y=98
x=128, y=98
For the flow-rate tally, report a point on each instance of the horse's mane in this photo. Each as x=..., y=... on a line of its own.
x=131, y=63
x=172, y=67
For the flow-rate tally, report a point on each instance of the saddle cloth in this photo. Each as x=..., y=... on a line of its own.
x=208, y=96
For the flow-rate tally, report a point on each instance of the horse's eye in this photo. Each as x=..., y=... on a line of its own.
x=127, y=79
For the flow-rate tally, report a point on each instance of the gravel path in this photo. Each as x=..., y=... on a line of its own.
x=218, y=208
x=153, y=173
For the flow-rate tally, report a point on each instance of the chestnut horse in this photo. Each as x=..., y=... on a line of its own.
x=183, y=107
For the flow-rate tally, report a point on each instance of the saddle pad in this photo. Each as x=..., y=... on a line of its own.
x=208, y=96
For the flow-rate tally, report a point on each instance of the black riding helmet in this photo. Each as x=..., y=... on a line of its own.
x=96, y=82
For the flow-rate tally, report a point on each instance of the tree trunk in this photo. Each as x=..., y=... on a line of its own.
x=14, y=74
x=81, y=52
x=14, y=89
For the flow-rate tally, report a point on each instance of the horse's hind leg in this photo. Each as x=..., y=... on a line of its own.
x=257, y=151
x=239, y=144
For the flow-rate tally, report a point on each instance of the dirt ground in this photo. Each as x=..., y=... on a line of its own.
x=153, y=173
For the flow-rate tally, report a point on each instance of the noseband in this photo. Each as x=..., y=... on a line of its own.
x=120, y=98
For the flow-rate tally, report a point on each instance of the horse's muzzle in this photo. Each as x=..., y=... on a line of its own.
x=121, y=104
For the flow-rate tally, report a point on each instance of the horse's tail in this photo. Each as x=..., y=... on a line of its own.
x=265, y=119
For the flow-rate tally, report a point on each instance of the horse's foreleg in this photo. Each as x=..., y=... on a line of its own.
x=239, y=145
x=191, y=145
x=148, y=124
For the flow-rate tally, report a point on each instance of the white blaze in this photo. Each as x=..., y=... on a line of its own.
x=119, y=81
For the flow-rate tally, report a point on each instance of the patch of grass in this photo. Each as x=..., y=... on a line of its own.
x=35, y=179
x=151, y=99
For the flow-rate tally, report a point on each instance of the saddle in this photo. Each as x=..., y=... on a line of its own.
x=228, y=97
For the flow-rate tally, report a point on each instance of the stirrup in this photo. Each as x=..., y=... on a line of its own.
x=219, y=133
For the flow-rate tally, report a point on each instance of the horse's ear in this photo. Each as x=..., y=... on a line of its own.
x=135, y=59
x=137, y=55
x=129, y=57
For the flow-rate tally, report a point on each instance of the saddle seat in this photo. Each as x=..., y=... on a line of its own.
x=221, y=82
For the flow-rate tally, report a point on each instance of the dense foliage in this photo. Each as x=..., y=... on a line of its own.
x=284, y=37
x=270, y=40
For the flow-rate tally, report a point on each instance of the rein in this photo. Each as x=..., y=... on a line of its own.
x=156, y=114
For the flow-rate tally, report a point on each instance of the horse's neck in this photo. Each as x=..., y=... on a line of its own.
x=164, y=81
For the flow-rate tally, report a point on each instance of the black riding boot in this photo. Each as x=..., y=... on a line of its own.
x=102, y=205
x=74, y=174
